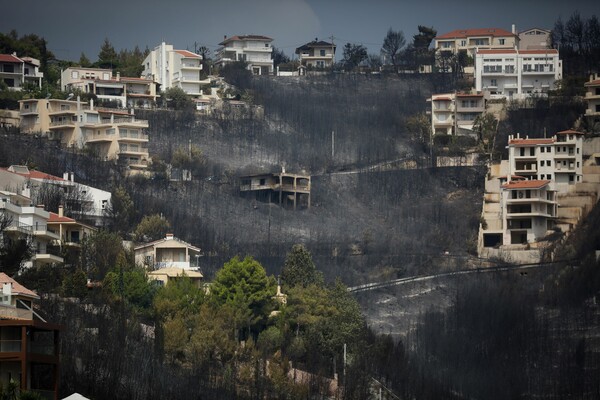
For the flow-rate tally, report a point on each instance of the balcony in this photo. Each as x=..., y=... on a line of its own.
x=133, y=137
x=11, y=312
x=129, y=151
x=446, y=122
x=62, y=124
x=171, y=264
x=592, y=95
x=539, y=70
x=103, y=138
x=47, y=258
x=42, y=231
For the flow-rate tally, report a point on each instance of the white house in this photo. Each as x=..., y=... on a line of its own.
x=169, y=252
x=16, y=71
x=516, y=74
x=455, y=113
x=29, y=223
x=174, y=68
x=256, y=50
x=93, y=201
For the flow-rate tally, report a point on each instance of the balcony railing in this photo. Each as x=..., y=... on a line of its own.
x=7, y=311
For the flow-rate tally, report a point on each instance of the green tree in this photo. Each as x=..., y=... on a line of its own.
x=486, y=126
x=100, y=252
x=244, y=286
x=84, y=61
x=120, y=212
x=354, y=54
x=299, y=269
x=75, y=284
x=152, y=227
x=393, y=43
x=178, y=99
x=107, y=57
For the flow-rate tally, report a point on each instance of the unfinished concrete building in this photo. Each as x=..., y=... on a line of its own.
x=290, y=191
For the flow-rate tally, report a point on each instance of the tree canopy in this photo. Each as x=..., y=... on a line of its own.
x=393, y=43
x=353, y=55
x=299, y=269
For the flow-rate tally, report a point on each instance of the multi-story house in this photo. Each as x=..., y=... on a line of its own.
x=529, y=210
x=169, y=274
x=558, y=159
x=534, y=39
x=30, y=224
x=455, y=113
x=85, y=202
x=127, y=91
x=17, y=71
x=255, y=50
x=286, y=189
x=112, y=134
x=174, y=68
x=469, y=40
x=592, y=96
x=169, y=252
x=29, y=345
x=317, y=54
x=517, y=74
x=71, y=234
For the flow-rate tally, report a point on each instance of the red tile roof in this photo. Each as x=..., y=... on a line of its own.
x=9, y=58
x=531, y=141
x=56, y=218
x=443, y=99
x=526, y=184
x=464, y=33
x=593, y=83
x=37, y=175
x=17, y=288
x=187, y=54
x=569, y=132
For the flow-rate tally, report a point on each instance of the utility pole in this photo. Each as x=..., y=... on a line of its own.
x=332, y=145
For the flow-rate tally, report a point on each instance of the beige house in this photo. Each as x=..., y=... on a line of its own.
x=469, y=40
x=534, y=39
x=592, y=96
x=287, y=190
x=166, y=253
x=112, y=134
x=128, y=91
x=455, y=113
x=17, y=71
x=174, y=68
x=317, y=54
x=253, y=49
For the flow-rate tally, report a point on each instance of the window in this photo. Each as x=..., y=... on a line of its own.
x=9, y=82
x=549, y=163
x=463, y=43
x=322, y=53
x=542, y=149
x=550, y=176
x=501, y=41
x=74, y=74
x=106, y=76
x=542, y=163
x=493, y=82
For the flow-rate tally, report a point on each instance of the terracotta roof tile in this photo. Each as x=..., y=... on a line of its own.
x=593, y=83
x=9, y=58
x=526, y=184
x=569, y=132
x=531, y=141
x=187, y=54
x=463, y=33
x=17, y=288
x=56, y=218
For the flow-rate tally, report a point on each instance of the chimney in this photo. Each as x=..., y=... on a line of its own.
x=169, y=236
x=118, y=76
x=61, y=211
x=514, y=29
x=224, y=37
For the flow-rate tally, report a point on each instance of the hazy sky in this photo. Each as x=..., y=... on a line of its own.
x=72, y=27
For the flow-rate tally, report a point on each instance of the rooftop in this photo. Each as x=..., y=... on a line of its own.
x=17, y=288
x=526, y=184
x=464, y=33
